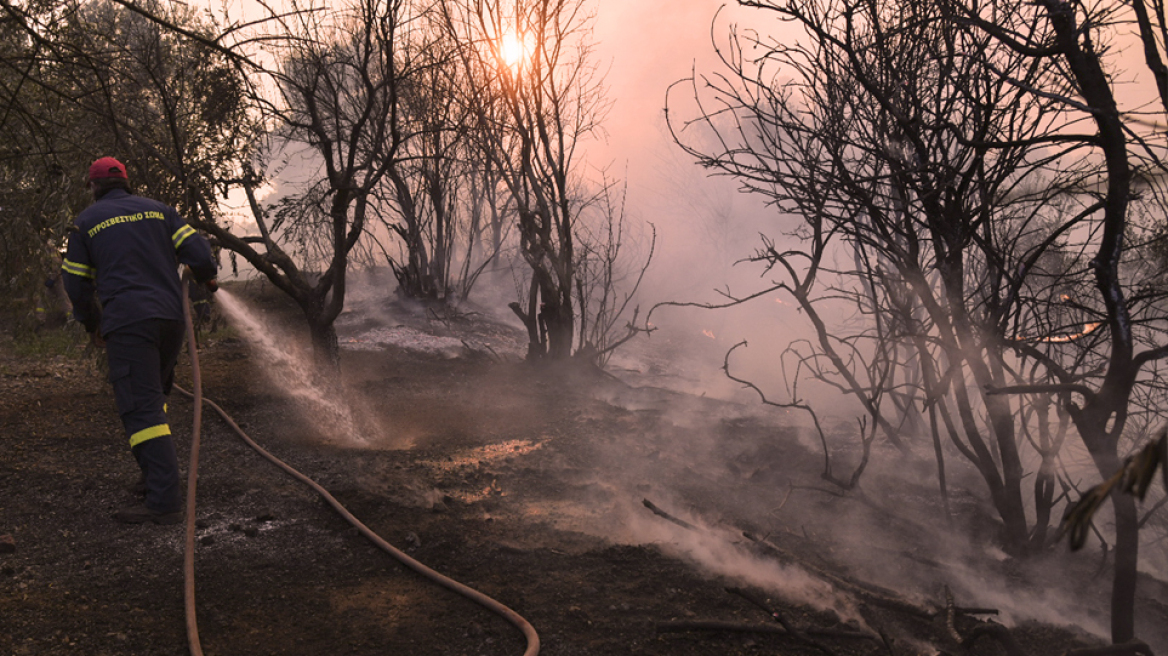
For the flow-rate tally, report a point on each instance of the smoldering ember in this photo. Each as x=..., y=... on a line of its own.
x=584, y=327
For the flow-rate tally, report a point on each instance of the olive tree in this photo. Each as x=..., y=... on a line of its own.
x=91, y=79
x=971, y=162
x=535, y=96
x=439, y=198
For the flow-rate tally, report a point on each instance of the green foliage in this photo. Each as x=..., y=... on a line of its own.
x=68, y=341
x=80, y=80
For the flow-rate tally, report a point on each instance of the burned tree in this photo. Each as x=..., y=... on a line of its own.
x=608, y=278
x=437, y=188
x=328, y=106
x=535, y=96
x=941, y=149
x=339, y=80
x=880, y=148
x=1097, y=385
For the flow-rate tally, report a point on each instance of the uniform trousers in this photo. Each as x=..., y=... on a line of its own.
x=142, y=357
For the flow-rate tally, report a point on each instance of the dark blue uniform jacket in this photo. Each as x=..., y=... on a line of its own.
x=129, y=248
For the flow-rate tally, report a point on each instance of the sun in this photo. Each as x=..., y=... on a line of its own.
x=512, y=50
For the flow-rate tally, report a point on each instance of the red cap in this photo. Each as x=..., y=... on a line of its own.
x=107, y=167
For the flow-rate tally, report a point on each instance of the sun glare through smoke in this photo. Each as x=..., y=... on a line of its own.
x=513, y=50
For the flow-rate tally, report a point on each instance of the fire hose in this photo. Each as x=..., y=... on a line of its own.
x=483, y=600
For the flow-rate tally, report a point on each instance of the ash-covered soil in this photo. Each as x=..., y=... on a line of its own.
x=526, y=483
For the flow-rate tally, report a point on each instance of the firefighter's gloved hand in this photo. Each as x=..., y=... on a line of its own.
x=212, y=285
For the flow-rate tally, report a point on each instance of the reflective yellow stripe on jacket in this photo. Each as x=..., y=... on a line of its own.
x=149, y=434
x=181, y=235
x=79, y=269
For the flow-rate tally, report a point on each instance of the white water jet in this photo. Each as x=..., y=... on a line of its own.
x=294, y=373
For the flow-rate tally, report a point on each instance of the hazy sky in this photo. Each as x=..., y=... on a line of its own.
x=703, y=224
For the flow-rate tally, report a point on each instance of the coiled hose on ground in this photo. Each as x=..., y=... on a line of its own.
x=192, y=476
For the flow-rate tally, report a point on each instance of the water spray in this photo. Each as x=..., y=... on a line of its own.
x=232, y=305
x=293, y=372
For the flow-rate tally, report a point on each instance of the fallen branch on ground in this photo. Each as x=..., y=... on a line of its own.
x=1133, y=648
x=778, y=617
x=682, y=626
x=991, y=629
x=879, y=598
x=661, y=513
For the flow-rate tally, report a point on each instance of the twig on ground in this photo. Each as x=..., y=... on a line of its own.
x=881, y=598
x=786, y=497
x=477, y=351
x=661, y=513
x=681, y=626
x=908, y=555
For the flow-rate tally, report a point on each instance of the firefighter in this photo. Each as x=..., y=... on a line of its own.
x=128, y=249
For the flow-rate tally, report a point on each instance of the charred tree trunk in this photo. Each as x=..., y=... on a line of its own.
x=558, y=320
x=413, y=275
x=443, y=231
x=1127, y=556
x=1104, y=452
x=321, y=308
x=325, y=348
x=1109, y=404
x=536, y=341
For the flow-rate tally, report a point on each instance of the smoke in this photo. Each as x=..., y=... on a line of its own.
x=723, y=554
x=722, y=466
x=726, y=468
x=739, y=463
